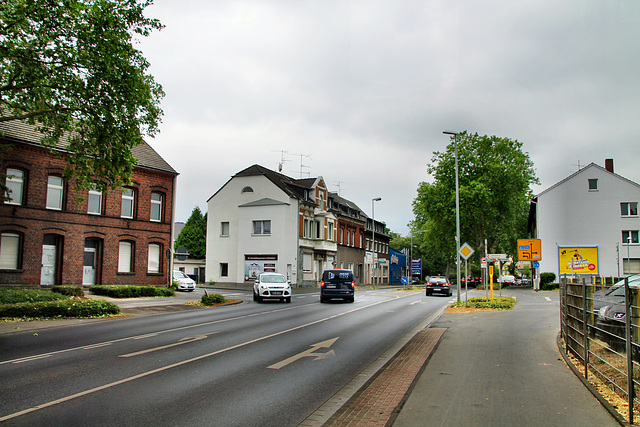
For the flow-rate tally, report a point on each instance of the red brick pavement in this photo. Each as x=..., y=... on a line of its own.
x=382, y=397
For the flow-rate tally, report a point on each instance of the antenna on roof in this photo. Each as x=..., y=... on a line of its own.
x=339, y=185
x=282, y=159
x=308, y=156
x=578, y=165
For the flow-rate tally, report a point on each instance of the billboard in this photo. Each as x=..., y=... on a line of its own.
x=256, y=264
x=578, y=259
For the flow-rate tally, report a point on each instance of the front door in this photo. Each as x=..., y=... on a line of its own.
x=89, y=264
x=48, y=272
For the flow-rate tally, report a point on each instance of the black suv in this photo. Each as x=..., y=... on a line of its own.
x=337, y=283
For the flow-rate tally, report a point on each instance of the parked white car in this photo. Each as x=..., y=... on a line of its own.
x=272, y=286
x=185, y=283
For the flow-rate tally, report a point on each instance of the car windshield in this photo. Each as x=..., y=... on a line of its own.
x=179, y=275
x=273, y=278
x=438, y=281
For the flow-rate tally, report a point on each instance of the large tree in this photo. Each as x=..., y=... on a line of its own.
x=193, y=236
x=495, y=178
x=69, y=67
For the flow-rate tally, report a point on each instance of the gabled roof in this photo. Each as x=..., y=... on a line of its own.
x=24, y=133
x=586, y=168
x=264, y=202
x=340, y=202
x=290, y=186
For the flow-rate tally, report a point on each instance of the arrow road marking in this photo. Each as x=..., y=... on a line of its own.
x=309, y=353
x=182, y=341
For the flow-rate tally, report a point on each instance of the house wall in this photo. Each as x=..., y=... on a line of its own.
x=569, y=214
x=229, y=205
x=72, y=225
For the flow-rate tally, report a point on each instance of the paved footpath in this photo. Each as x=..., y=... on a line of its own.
x=480, y=369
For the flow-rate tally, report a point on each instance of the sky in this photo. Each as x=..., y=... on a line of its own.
x=360, y=92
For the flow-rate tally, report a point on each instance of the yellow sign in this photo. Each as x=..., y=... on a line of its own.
x=529, y=250
x=578, y=259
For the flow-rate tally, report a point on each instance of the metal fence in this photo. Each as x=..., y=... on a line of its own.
x=600, y=324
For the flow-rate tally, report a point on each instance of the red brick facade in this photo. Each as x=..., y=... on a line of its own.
x=72, y=235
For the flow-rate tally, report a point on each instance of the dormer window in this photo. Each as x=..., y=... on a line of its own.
x=247, y=189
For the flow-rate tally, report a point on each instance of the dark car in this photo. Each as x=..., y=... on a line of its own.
x=614, y=294
x=611, y=328
x=438, y=285
x=337, y=283
x=471, y=281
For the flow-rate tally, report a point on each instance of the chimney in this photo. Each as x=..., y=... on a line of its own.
x=608, y=164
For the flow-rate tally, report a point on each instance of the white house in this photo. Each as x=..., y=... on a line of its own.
x=588, y=223
x=261, y=220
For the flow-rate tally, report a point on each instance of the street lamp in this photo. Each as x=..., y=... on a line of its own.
x=455, y=141
x=373, y=238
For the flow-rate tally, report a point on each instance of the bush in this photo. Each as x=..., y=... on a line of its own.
x=549, y=286
x=59, y=309
x=213, y=299
x=124, y=291
x=546, y=278
x=14, y=296
x=71, y=291
x=498, y=303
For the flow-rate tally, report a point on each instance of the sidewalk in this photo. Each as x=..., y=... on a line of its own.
x=480, y=369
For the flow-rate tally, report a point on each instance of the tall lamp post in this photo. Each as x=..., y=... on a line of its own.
x=455, y=141
x=373, y=238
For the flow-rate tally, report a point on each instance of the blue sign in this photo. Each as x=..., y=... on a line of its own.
x=416, y=266
x=404, y=280
x=536, y=264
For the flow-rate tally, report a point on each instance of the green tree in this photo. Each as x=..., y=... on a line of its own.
x=70, y=69
x=495, y=178
x=193, y=236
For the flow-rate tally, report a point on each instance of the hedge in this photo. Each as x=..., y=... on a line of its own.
x=498, y=303
x=72, y=291
x=14, y=296
x=123, y=291
x=213, y=299
x=60, y=309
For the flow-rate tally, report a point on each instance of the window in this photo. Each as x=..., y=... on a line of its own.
x=55, y=191
x=330, y=231
x=306, y=262
x=153, y=266
x=125, y=257
x=15, y=185
x=10, y=251
x=593, y=184
x=128, y=203
x=247, y=190
x=305, y=228
x=262, y=227
x=94, y=202
x=317, y=230
x=629, y=209
x=342, y=236
x=353, y=238
x=629, y=233
x=156, y=207
x=224, y=269
x=224, y=228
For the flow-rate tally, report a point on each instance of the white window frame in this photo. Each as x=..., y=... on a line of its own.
x=55, y=192
x=96, y=196
x=9, y=251
x=155, y=213
x=262, y=227
x=634, y=237
x=15, y=183
x=128, y=207
x=631, y=209
x=224, y=228
x=125, y=256
x=154, y=263
x=593, y=184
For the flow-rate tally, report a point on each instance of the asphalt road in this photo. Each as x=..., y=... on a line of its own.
x=251, y=364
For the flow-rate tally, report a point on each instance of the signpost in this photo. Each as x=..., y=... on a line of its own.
x=529, y=250
x=466, y=251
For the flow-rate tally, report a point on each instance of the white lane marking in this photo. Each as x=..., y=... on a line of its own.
x=181, y=363
x=186, y=340
x=548, y=299
x=308, y=353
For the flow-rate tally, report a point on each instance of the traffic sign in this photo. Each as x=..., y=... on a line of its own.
x=529, y=250
x=466, y=251
x=496, y=257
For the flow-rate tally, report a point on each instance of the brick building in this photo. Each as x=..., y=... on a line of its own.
x=52, y=234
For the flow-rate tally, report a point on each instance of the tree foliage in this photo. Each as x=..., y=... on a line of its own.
x=70, y=68
x=193, y=236
x=495, y=178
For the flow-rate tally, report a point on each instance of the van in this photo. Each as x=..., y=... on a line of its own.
x=337, y=283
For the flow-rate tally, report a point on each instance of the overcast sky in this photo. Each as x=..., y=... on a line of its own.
x=359, y=92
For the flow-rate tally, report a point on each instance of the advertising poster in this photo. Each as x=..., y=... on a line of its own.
x=256, y=264
x=578, y=259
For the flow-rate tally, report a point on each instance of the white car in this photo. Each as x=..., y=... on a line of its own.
x=185, y=283
x=272, y=286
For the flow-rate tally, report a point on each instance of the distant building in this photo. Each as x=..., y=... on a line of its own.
x=398, y=263
x=351, y=236
x=52, y=234
x=592, y=208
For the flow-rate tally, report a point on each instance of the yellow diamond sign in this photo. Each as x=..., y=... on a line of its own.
x=466, y=251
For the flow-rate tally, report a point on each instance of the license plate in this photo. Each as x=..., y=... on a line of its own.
x=276, y=292
x=331, y=286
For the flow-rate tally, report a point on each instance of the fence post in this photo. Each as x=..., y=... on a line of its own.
x=585, y=335
x=629, y=345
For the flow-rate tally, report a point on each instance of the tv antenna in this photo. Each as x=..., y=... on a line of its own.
x=339, y=185
x=303, y=166
x=282, y=159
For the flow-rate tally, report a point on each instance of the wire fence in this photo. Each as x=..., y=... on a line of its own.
x=600, y=324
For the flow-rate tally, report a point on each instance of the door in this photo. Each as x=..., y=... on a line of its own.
x=89, y=264
x=48, y=272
